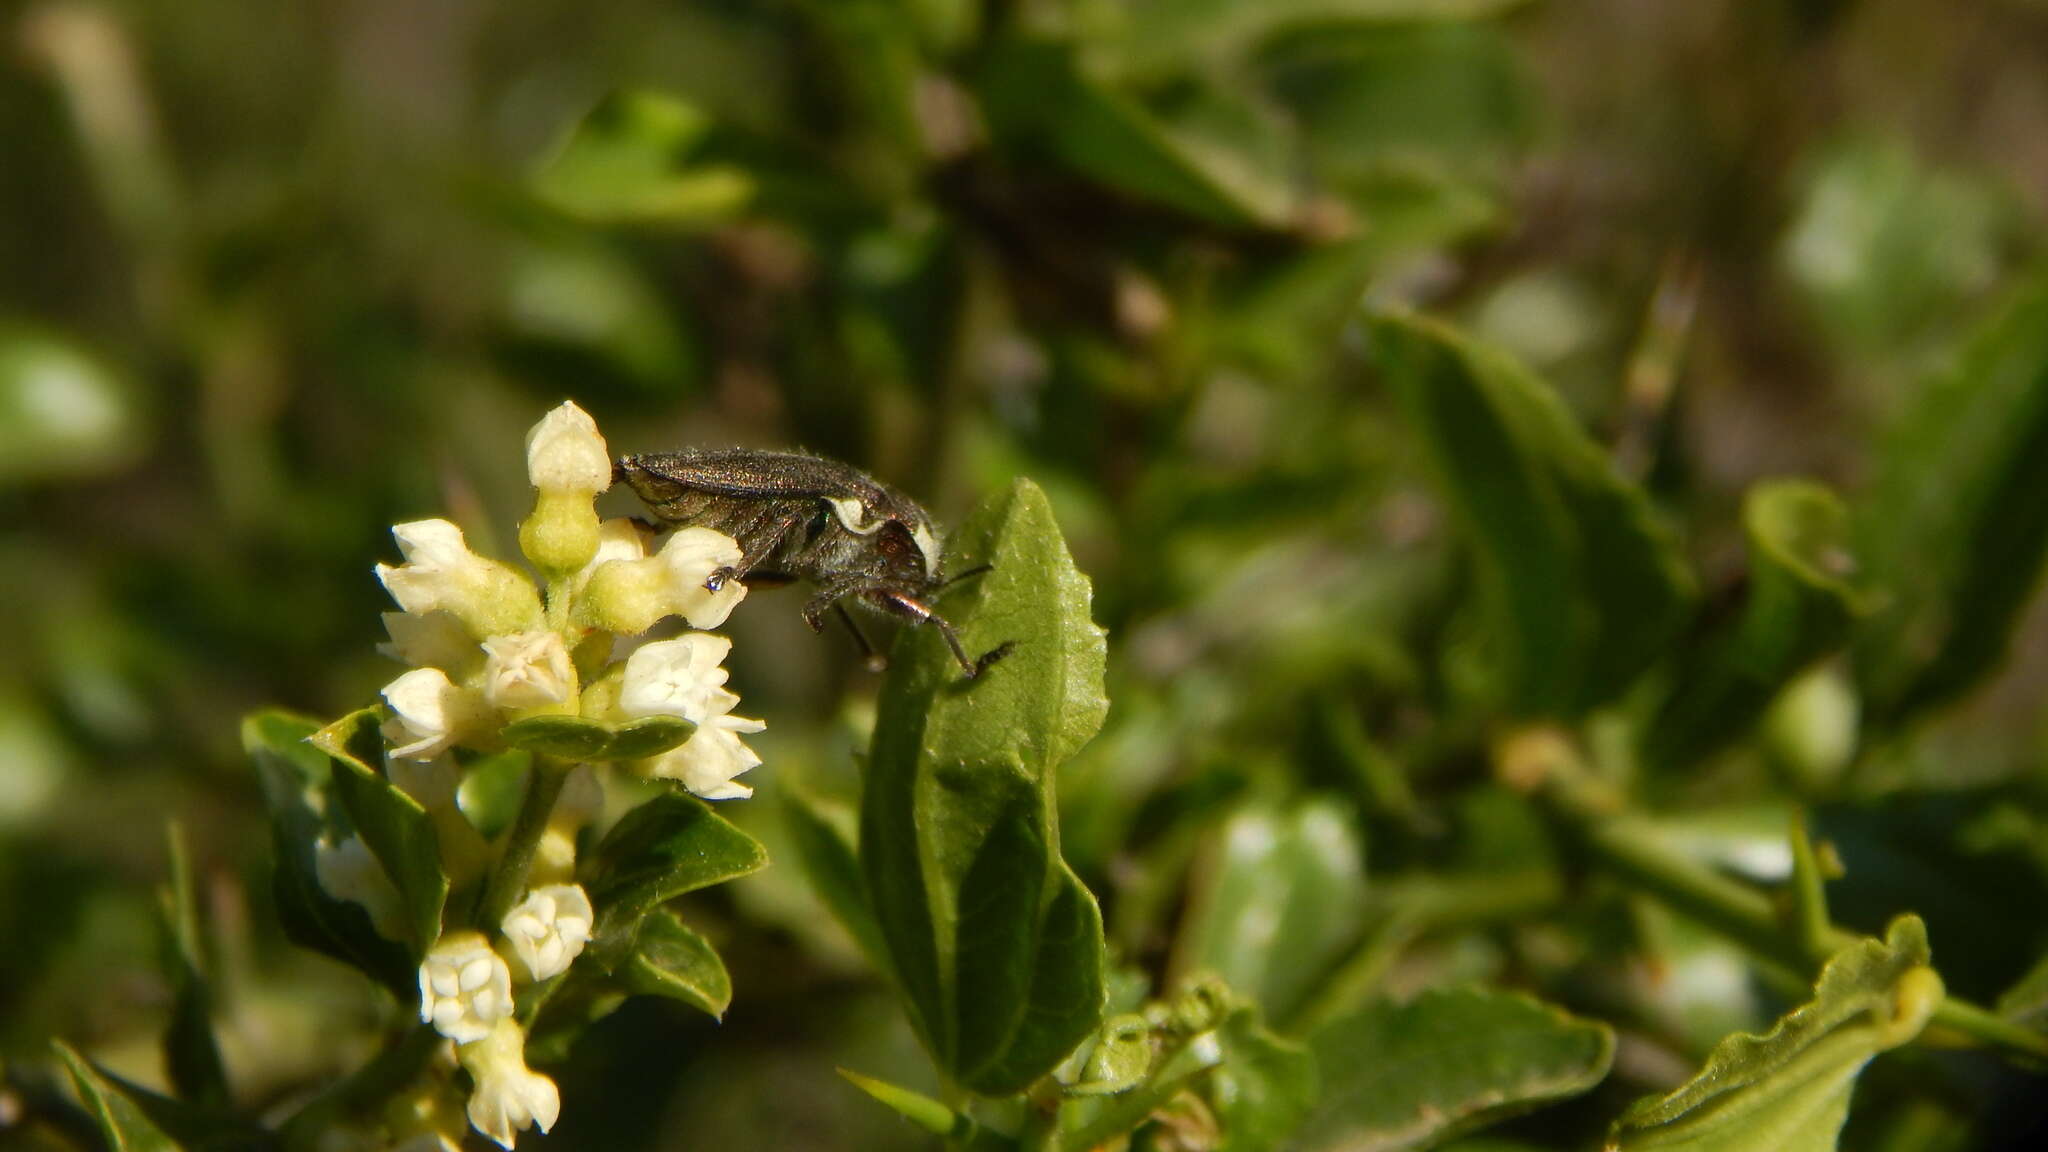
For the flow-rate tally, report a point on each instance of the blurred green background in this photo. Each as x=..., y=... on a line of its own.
x=274, y=276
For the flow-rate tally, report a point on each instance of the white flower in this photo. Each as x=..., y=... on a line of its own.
x=564, y=452
x=707, y=762
x=350, y=871
x=433, y=714
x=681, y=677
x=441, y=573
x=527, y=670
x=629, y=596
x=549, y=928
x=464, y=987
x=430, y=640
x=509, y=1096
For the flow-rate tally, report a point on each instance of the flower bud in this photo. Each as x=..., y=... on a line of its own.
x=568, y=463
x=549, y=928
x=527, y=670
x=630, y=596
x=465, y=987
x=441, y=573
x=565, y=453
x=509, y=1097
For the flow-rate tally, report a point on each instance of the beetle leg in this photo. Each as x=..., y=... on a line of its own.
x=760, y=546
x=875, y=661
x=827, y=596
x=977, y=570
x=920, y=611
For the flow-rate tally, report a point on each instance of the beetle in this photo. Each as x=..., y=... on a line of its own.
x=797, y=516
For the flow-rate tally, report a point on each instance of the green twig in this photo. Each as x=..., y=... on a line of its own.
x=1627, y=849
x=508, y=881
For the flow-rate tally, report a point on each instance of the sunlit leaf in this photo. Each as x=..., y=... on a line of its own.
x=293, y=774
x=1408, y=1075
x=1283, y=900
x=1788, y=1090
x=672, y=960
x=670, y=845
x=575, y=738
x=1583, y=585
x=994, y=941
x=394, y=825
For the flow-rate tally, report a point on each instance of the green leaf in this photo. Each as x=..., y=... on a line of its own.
x=1956, y=530
x=191, y=1054
x=824, y=836
x=631, y=161
x=1039, y=92
x=1584, y=587
x=294, y=774
x=668, y=846
x=1282, y=902
x=574, y=738
x=1406, y=1075
x=1264, y=1088
x=959, y=1129
x=672, y=960
x=1788, y=1090
x=993, y=940
x=398, y=831
x=1799, y=608
x=121, y=1120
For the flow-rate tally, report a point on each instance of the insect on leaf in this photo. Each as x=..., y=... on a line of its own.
x=994, y=941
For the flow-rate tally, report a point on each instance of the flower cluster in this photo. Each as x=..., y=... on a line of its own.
x=488, y=647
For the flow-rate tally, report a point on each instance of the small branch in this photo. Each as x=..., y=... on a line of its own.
x=1626, y=849
x=508, y=882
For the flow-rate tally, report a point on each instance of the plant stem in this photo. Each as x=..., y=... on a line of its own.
x=508, y=881
x=1626, y=849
